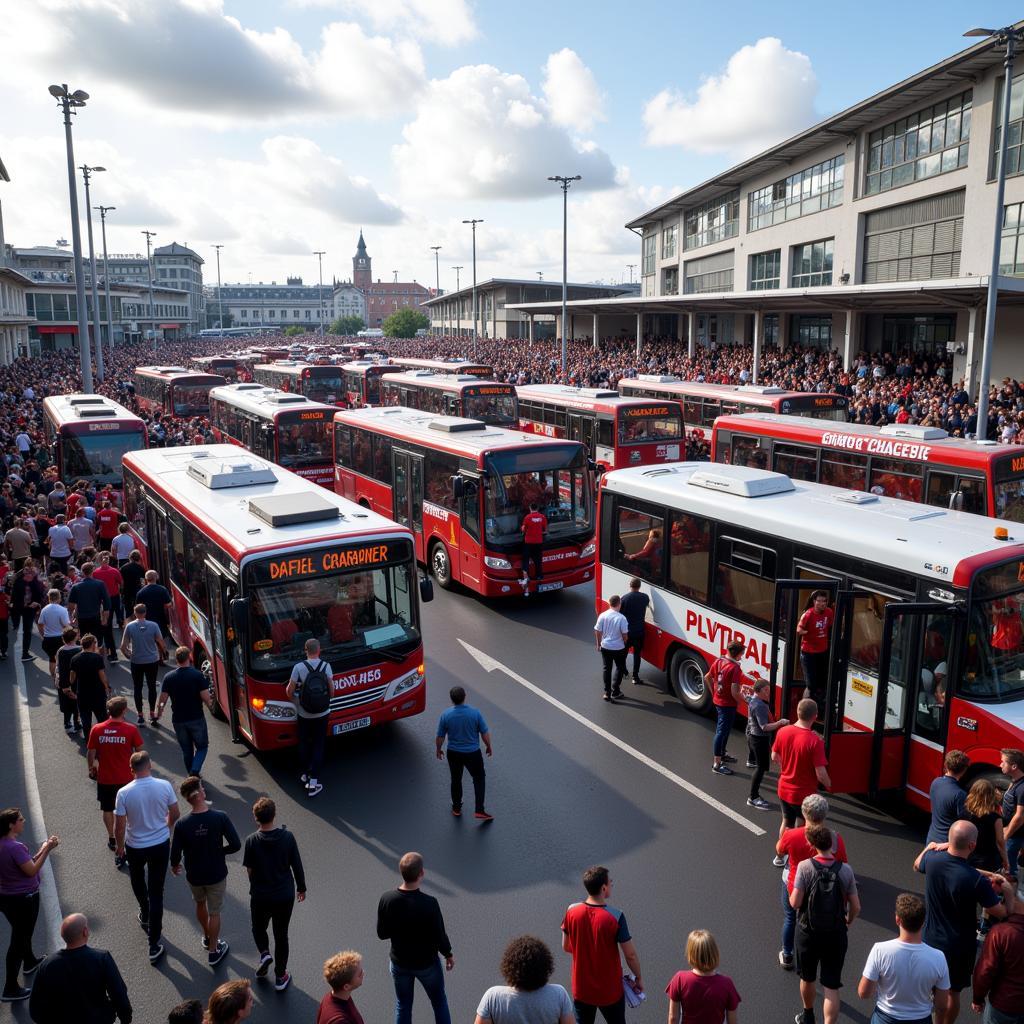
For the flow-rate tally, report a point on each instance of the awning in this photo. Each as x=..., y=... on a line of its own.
x=169, y=327
x=63, y=329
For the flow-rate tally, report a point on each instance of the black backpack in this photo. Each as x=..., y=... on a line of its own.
x=315, y=690
x=824, y=907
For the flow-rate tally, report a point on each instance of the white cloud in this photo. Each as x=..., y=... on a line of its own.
x=480, y=133
x=765, y=94
x=448, y=22
x=571, y=91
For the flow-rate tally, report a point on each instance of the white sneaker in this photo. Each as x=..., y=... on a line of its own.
x=314, y=789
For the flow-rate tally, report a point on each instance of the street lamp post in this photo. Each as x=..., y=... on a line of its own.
x=152, y=305
x=1009, y=37
x=320, y=254
x=563, y=183
x=474, y=223
x=104, y=210
x=458, y=305
x=220, y=307
x=631, y=267
x=68, y=102
x=437, y=271
x=87, y=173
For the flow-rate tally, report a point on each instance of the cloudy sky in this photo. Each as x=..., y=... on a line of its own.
x=277, y=127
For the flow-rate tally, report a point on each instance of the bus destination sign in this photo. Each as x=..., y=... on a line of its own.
x=648, y=410
x=306, y=564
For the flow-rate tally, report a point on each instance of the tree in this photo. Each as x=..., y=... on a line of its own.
x=294, y=331
x=405, y=323
x=347, y=325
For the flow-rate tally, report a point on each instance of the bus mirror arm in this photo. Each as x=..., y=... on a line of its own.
x=426, y=589
x=239, y=609
x=458, y=486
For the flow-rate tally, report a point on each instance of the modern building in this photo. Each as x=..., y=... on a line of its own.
x=278, y=305
x=871, y=230
x=348, y=300
x=175, y=266
x=384, y=297
x=15, y=320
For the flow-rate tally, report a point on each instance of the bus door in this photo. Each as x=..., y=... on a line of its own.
x=159, y=545
x=407, y=494
x=581, y=428
x=470, y=553
x=227, y=671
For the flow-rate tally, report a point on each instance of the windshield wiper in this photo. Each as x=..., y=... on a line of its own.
x=388, y=655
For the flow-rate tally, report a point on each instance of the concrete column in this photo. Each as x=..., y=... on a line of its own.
x=639, y=333
x=783, y=331
x=595, y=332
x=531, y=328
x=680, y=320
x=848, y=342
x=572, y=327
x=758, y=335
x=691, y=334
x=971, y=369
x=494, y=316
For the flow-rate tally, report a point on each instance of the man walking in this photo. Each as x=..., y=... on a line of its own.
x=947, y=796
x=310, y=688
x=79, y=983
x=204, y=838
x=634, y=606
x=90, y=684
x=611, y=631
x=725, y=677
x=594, y=933
x=999, y=973
x=145, y=811
x=188, y=690
x=1011, y=764
x=276, y=881
x=464, y=727
x=60, y=540
x=413, y=923
x=133, y=574
x=759, y=740
x=18, y=543
x=157, y=599
x=89, y=603
x=109, y=749
x=107, y=521
x=815, y=630
x=110, y=577
x=82, y=530
x=143, y=645
x=909, y=977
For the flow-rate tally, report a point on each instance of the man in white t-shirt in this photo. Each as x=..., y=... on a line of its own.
x=611, y=632
x=60, y=541
x=144, y=813
x=52, y=621
x=122, y=545
x=909, y=977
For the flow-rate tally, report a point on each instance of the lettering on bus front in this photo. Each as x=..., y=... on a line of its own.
x=879, y=446
x=315, y=563
x=655, y=410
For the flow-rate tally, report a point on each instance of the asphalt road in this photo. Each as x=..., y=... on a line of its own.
x=573, y=782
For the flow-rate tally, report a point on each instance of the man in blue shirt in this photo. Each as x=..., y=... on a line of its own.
x=947, y=796
x=464, y=728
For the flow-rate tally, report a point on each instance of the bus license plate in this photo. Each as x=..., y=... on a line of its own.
x=359, y=723
x=557, y=585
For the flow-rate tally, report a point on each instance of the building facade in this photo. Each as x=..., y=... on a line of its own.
x=348, y=300
x=180, y=268
x=292, y=304
x=15, y=320
x=384, y=297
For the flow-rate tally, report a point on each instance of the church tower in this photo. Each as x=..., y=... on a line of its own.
x=362, y=275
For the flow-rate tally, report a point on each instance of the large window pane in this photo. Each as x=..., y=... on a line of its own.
x=689, y=553
x=639, y=543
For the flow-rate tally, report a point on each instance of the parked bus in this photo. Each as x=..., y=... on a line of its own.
x=228, y=367
x=463, y=488
x=290, y=430
x=258, y=561
x=926, y=649
x=319, y=383
x=616, y=431
x=174, y=390
x=462, y=366
x=450, y=394
x=902, y=460
x=89, y=434
x=361, y=382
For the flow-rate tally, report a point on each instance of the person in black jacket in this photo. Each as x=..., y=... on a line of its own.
x=413, y=922
x=79, y=983
x=272, y=859
x=28, y=595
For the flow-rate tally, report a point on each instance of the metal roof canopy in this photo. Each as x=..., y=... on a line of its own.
x=493, y=283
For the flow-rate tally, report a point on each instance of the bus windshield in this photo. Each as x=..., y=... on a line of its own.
x=323, y=387
x=496, y=410
x=994, y=664
x=556, y=478
x=97, y=457
x=1009, y=495
x=652, y=426
x=191, y=399
x=358, y=617
x=302, y=442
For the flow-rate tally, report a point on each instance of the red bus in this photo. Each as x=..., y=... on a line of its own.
x=174, y=390
x=617, y=431
x=361, y=381
x=89, y=435
x=463, y=488
x=230, y=368
x=288, y=429
x=901, y=460
x=453, y=395
x=926, y=645
x=258, y=561
x=319, y=383
x=461, y=366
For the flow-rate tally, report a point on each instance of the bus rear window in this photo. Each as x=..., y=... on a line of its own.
x=636, y=429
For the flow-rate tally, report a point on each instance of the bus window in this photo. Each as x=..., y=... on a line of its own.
x=689, y=553
x=1010, y=500
x=844, y=469
x=692, y=411
x=995, y=650
x=889, y=477
x=639, y=543
x=931, y=690
x=797, y=461
x=747, y=451
x=604, y=432
x=745, y=581
x=941, y=488
x=709, y=412
x=972, y=495
x=649, y=428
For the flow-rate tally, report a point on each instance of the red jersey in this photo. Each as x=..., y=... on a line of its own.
x=110, y=578
x=534, y=525
x=794, y=845
x=114, y=742
x=593, y=935
x=800, y=752
x=107, y=521
x=75, y=498
x=333, y=1010
x=819, y=628
x=724, y=673
x=1007, y=634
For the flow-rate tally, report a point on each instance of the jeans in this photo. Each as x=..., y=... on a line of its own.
x=145, y=674
x=22, y=912
x=1013, y=848
x=147, y=868
x=3, y=635
x=618, y=659
x=636, y=644
x=312, y=734
x=194, y=742
x=533, y=553
x=760, y=750
x=994, y=1016
x=432, y=980
x=27, y=618
x=723, y=726
x=276, y=913
x=815, y=670
x=92, y=705
x=474, y=763
x=613, y=1013
x=788, y=920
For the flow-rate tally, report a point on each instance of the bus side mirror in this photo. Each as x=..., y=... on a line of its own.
x=956, y=500
x=426, y=589
x=239, y=610
x=458, y=486
x=594, y=467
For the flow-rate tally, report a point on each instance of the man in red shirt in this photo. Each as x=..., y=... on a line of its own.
x=534, y=526
x=107, y=521
x=110, y=578
x=725, y=677
x=815, y=630
x=999, y=972
x=110, y=747
x=344, y=973
x=800, y=754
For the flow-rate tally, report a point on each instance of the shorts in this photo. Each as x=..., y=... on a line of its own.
x=106, y=793
x=961, y=967
x=826, y=952
x=51, y=645
x=790, y=812
x=211, y=895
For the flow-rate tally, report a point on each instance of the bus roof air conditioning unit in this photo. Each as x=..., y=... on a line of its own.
x=218, y=474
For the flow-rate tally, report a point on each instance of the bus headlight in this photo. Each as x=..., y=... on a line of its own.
x=405, y=683
x=589, y=549
x=497, y=563
x=272, y=710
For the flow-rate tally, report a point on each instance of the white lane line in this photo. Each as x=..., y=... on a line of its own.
x=489, y=664
x=48, y=896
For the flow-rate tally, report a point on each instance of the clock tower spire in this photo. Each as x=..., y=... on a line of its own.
x=362, y=275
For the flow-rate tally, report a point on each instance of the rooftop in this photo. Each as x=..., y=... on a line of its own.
x=501, y=282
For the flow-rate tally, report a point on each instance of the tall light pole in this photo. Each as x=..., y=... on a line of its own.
x=320, y=254
x=563, y=183
x=68, y=102
x=631, y=267
x=104, y=210
x=458, y=305
x=437, y=271
x=1008, y=37
x=540, y=275
x=87, y=173
x=220, y=307
x=152, y=306
x=474, y=223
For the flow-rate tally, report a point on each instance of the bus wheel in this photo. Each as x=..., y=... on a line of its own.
x=441, y=566
x=206, y=667
x=686, y=676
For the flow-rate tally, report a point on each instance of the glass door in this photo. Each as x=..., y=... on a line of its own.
x=407, y=494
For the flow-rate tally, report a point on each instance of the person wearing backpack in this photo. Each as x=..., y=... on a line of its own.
x=825, y=898
x=310, y=688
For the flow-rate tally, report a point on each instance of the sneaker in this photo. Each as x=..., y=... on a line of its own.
x=280, y=984
x=751, y=764
x=142, y=720
x=143, y=919
x=804, y=1017
x=608, y=696
x=27, y=657
x=15, y=995
x=728, y=759
x=206, y=942
x=637, y=681
x=483, y=816
x=304, y=779
x=3, y=655
x=785, y=960
x=155, y=952
x=120, y=862
x=154, y=722
x=111, y=843
x=456, y=812
x=70, y=730
x=78, y=725
x=314, y=789
x=32, y=968
x=264, y=965
x=778, y=862
x=759, y=802
x=215, y=956
x=616, y=694
x=111, y=657
x=721, y=769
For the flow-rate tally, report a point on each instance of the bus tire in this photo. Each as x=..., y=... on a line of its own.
x=206, y=667
x=686, y=677
x=441, y=565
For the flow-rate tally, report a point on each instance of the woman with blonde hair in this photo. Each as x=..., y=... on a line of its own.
x=230, y=1003
x=701, y=994
x=984, y=810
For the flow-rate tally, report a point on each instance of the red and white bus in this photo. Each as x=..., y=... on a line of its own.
x=926, y=649
x=901, y=460
x=450, y=394
x=463, y=488
x=174, y=390
x=460, y=366
x=319, y=383
x=617, y=431
x=230, y=368
x=89, y=435
x=361, y=382
x=290, y=430
x=258, y=561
